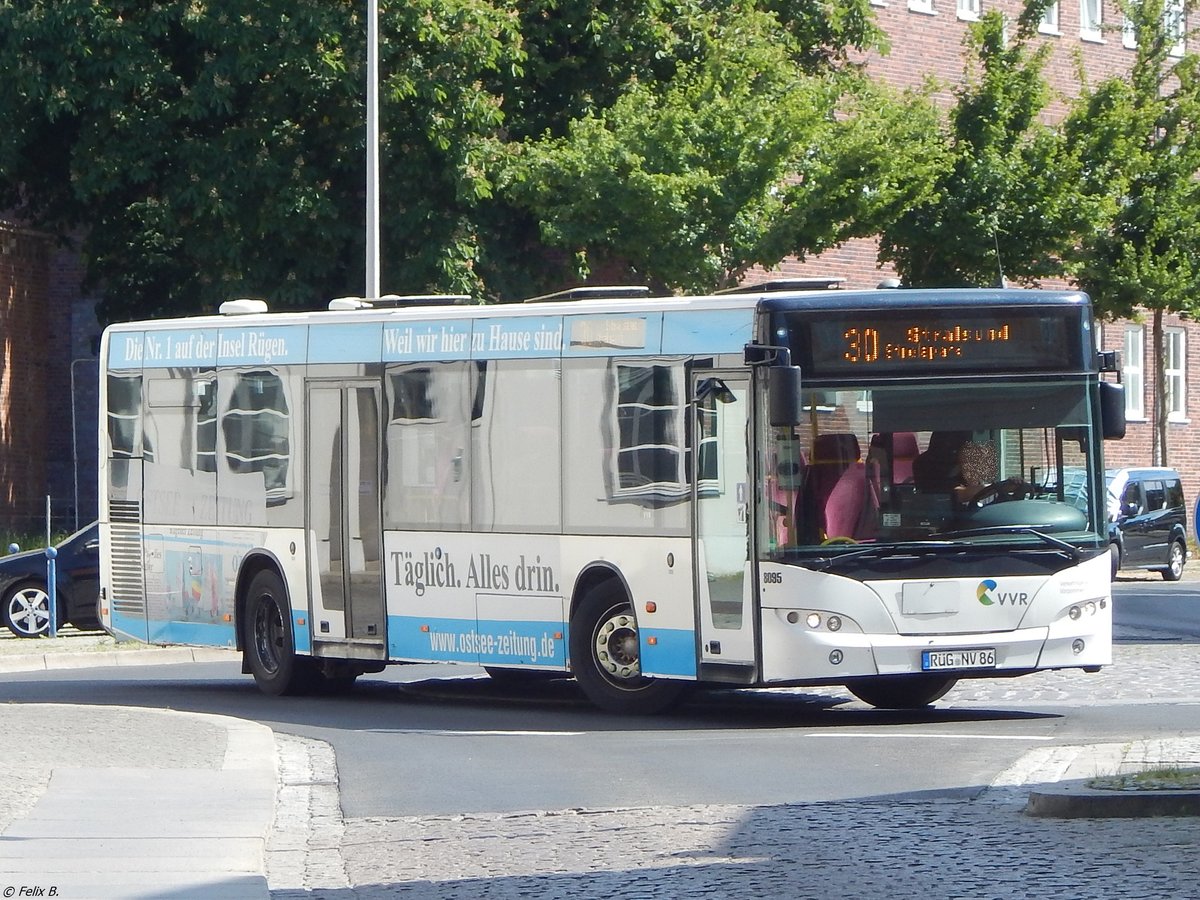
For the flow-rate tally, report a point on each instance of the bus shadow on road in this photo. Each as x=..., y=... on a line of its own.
x=479, y=703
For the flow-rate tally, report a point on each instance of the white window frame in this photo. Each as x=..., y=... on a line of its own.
x=925, y=7
x=1133, y=371
x=1091, y=20
x=1050, y=19
x=970, y=10
x=1175, y=24
x=1174, y=373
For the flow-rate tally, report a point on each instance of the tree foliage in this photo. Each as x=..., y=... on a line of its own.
x=750, y=149
x=214, y=148
x=203, y=149
x=1004, y=204
x=1138, y=140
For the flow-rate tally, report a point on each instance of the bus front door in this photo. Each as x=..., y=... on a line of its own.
x=343, y=520
x=722, y=495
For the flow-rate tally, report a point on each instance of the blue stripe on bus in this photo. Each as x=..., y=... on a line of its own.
x=301, y=633
x=338, y=342
x=445, y=340
x=706, y=331
x=199, y=634
x=674, y=652
x=673, y=333
x=466, y=640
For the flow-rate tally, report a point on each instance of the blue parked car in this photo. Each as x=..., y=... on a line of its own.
x=24, y=600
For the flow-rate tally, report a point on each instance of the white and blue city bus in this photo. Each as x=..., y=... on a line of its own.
x=645, y=493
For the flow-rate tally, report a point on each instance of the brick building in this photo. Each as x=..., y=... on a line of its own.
x=48, y=378
x=48, y=329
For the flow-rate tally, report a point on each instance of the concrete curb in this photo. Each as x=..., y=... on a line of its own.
x=141, y=656
x=1075, y=800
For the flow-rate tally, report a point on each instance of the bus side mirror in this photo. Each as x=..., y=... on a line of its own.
x=1112, y=409
x=783, y=396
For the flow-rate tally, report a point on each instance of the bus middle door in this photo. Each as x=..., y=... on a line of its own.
x=343, y=520
x=722, y=486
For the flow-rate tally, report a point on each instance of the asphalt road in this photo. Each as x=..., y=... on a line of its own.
x=437, y=740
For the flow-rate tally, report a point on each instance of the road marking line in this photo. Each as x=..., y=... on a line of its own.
x=447, y=732
x=918, y=734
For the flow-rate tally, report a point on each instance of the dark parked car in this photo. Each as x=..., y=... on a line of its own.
x=24, y=601
x=1147, y=520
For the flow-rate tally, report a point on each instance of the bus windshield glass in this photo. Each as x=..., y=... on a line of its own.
x=933, y=465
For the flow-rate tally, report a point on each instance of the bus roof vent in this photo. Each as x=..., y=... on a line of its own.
x=392, y=301
x=594, y=292
x=243, y=306
x=787, y=284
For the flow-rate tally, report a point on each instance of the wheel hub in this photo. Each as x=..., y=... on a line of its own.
x=617, y=649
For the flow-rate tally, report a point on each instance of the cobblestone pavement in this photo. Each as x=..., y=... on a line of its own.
x=983, y=847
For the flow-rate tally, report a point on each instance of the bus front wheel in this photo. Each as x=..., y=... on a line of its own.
x=902, y=691
x=606, y=656
x=267, y=639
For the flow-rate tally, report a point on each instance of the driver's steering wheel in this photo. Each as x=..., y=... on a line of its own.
x=998, y=491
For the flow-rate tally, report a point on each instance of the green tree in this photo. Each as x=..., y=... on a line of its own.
x=1138, y=140
x=1004, y=204
x=752, y=148
x=214, y=149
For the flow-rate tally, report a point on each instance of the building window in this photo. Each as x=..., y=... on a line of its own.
x=1049, y=23
x=1175, y=25
x=1174, y=354
x=1090, y=19
x=969, y=9
x=922, y=6
x=1132, y=371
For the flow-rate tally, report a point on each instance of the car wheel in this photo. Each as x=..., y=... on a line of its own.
x=1175, y=561
x=27, y=610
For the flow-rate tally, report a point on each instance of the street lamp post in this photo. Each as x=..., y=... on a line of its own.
x=372, y=285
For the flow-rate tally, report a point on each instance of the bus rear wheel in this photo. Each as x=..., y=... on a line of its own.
x=902, y=691
x=267, y=644
x=606, y=656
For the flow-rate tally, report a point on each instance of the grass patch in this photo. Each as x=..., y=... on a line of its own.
x=1163, y=778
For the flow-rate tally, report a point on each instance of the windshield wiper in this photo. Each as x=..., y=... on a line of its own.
x=1070, y=549
x=882, y=551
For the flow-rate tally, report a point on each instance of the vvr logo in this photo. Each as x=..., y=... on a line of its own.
x=988, y=595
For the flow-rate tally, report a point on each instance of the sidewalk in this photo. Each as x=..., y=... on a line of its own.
x=119, y=802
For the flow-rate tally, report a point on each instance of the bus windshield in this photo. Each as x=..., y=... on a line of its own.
x=1003, y=461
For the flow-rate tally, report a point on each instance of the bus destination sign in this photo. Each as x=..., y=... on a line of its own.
x=923, y=341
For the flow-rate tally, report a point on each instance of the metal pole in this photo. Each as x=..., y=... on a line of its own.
x=372, y=286
x=52, y=589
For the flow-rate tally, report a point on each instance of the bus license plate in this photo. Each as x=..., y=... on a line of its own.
x=982, y=658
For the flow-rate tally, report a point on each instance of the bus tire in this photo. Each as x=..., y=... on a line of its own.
x=902, y=691
x=605, y=656
x=267, y=639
